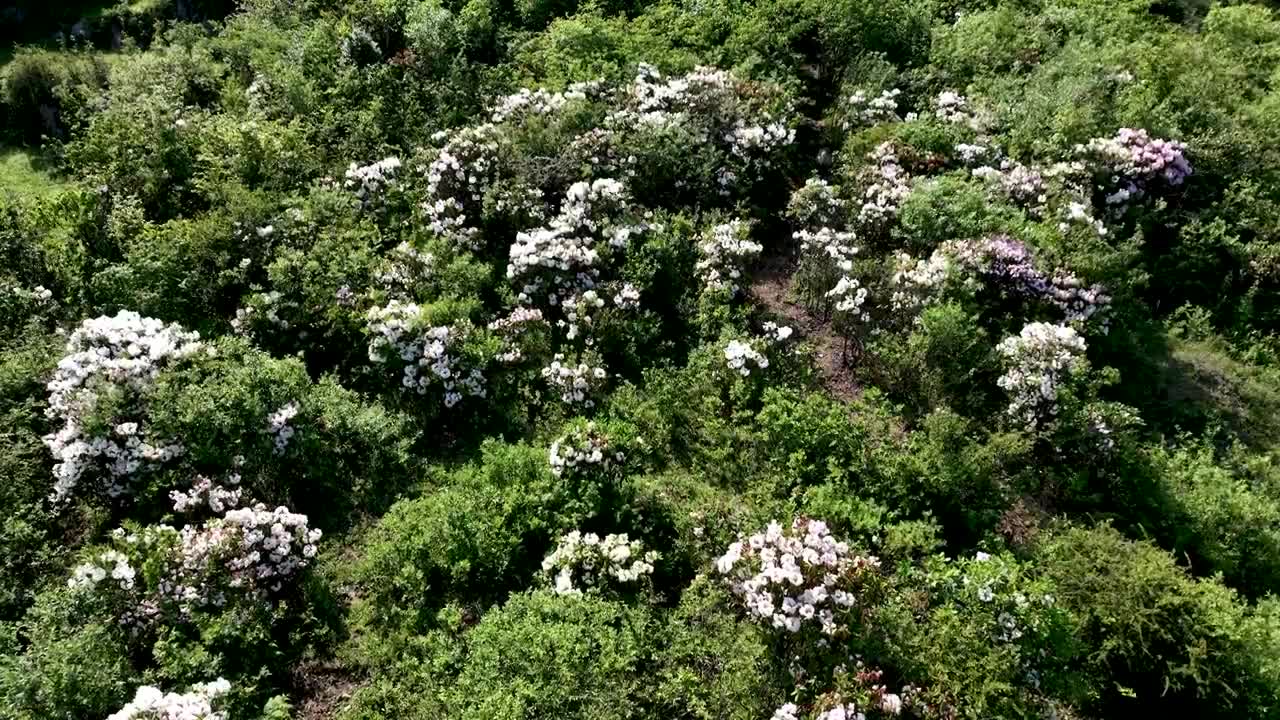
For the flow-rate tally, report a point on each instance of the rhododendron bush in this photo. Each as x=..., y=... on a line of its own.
x=804, y=360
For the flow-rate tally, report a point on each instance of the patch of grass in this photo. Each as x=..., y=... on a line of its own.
x=1245, y=397
x=24, y=174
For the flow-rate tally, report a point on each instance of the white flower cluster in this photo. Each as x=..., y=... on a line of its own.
x=777, y=333
x=38, y=295
x=597, y=149
x=827, y=246
x=540, y=102
x=457, y=177
x=580, y=311
x=916, y=282
x=739, y=356
x=1002, y=262
x=582, y=448
x=406, y=267
x=952, y=107
x=110, y=563
x=268, y=546
x=725, y=254
x=513, y=329
x=586, y=560
x=279, y=428
x=151, y=703
x=797, y=577
x=266, y=306
x=1078, y=213
x=577, y=384
x=557, y=261
x=889, y=704
x=369, y=182
x=1022, y=183
x=627, y=297
x=826, y=258
x=1040, y=359
x=865, y=110
x=816, y=204
x=754, y=146
x=850, y=297
x=430, y=357
x=713, y=106
x=124, y=354
x=971, y=153
x=205, y=491
x=889, y=186
x=247, y=554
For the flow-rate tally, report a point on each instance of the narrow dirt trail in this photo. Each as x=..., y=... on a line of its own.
x=771, y=287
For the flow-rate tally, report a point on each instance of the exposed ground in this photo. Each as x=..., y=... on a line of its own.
x=771, y=288
x=323, y=687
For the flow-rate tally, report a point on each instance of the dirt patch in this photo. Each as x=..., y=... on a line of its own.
x=771, y=287
x=321, y=688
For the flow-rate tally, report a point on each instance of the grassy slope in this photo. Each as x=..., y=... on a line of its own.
x=21, y=173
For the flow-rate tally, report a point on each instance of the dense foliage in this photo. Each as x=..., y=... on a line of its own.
x=769, y=360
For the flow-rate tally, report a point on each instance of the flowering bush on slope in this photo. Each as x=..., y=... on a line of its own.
x=157, y=572
x=798, y=577
x=109, y=365
x=587, y=560
x=1040, y=360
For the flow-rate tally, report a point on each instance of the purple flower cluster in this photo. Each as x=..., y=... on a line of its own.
x=1136, y=162
x=1007, y=263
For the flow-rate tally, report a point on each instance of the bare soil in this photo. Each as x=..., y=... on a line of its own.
x=322, y=688
x=772, y=289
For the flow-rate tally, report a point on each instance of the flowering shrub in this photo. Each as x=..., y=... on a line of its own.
x=521, y=332
x=739, y=356
x=1039, y=361
x=887, y=185
x=918, y=282
x=726, y=252
x=1002, y=263
x=954, y=108
x=1024, y=185
x=150, y=703
x=586, y=560
x=815, y=205
x=582, y=449
x=825, y=257
x=370, y=182
x=860, y=109
x=109, y=365
x=429, y=357
x=261, y=314
x=279, y=428
x=795, y=578
x=457, y=177
x=205, y=491
x=851, y=314
x=711, y=106
x=248, y=554
x=576, y=384
x=568, y=257
x=406, y=268
x=1136, y=162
